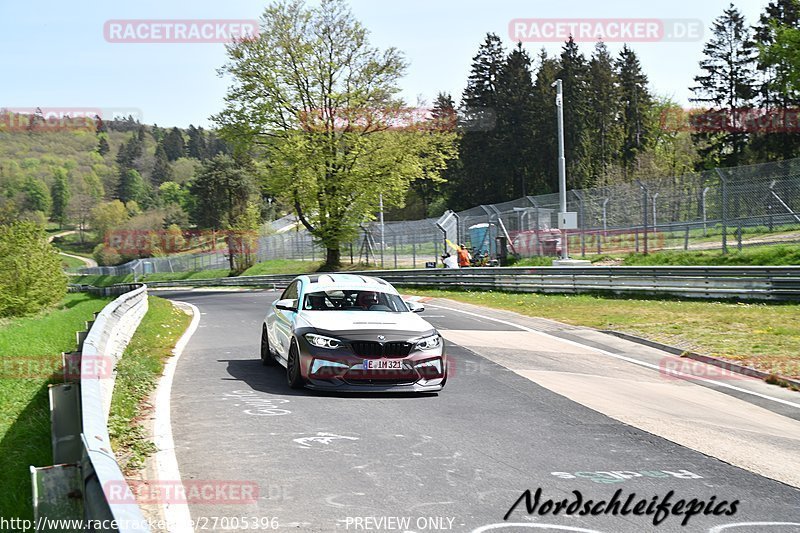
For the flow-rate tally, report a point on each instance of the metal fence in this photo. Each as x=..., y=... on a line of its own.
x=716, y=282
x=720, y=209
x=86, y=471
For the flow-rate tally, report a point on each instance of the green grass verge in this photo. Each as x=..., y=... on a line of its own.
x=24, y=404
x=71, y=263
x=766, y=336
x=772, y=255
x=282, y=266
x=137, y=376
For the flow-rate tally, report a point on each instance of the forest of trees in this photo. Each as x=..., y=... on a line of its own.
x=617, y=128
x=120, y=174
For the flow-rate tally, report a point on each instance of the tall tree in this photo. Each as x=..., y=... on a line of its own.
x=515, y=124
x=131, y=187
x=478, y=147
x=60, y=195
x=636, y=103
x=174, y=144
x=777, y=95
x=574, y=73
x=444, y=118
x=196, y=147
x=162, y=171
x=102, y=145
x=603, y=116
x=37, y=196
x=320, y=101
x=545, y=144
x=726, y=87
x=222, y=190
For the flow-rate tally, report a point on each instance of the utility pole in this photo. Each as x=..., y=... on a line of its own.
x=566, y=220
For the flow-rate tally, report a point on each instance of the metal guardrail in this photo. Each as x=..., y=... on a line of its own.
x=715, y=282
x=85, y=462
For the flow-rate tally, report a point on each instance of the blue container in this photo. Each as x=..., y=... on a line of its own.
x=481, y=236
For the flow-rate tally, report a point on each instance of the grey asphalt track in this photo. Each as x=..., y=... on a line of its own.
x=456, y=461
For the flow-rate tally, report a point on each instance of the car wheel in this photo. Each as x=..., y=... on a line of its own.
x=293, y=376
x=266, y=355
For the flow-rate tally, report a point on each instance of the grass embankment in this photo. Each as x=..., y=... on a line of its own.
x=137, y=376
x=72, y=244
x=768, y=255
x=765, y=336
x=33, y=344
x=71, y=262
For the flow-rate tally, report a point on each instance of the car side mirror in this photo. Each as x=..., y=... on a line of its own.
x=415, y=307
x=286, y=305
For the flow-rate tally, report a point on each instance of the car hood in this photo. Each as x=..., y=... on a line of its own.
x=357, y=321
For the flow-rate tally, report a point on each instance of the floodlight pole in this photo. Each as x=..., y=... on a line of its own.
x=562, y=164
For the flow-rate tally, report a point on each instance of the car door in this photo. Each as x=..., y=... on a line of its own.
x=284, y=320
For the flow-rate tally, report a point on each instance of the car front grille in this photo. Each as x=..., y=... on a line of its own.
x=377, y=349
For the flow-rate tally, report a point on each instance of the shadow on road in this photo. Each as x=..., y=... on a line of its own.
x=272, y=380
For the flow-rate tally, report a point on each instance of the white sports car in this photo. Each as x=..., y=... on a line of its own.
x=348, y=332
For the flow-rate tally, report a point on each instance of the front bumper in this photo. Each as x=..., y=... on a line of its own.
x=344, y=370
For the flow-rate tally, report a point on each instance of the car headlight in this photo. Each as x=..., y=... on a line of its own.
x=429, y=343
x=321, y=341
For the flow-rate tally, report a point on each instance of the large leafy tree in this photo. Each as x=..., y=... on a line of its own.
x=31, y=277
x=777, y=36
x=322, y=103
x=726, y=87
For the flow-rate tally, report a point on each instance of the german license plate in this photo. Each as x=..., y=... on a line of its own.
x=382, y=364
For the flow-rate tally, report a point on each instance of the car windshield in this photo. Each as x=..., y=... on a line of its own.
x=354, y=300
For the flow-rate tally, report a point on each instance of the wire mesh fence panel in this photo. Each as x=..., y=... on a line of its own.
x=718, y=209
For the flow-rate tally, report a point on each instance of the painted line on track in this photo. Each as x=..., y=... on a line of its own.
x=176, y=515
x=676, y=373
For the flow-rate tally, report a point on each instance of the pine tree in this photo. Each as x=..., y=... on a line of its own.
x=775, y=95
x=174, y=144
x=515, y=109
x=162, y=170
x=574, y=76
x=128, y=153
x=60, y=195
x=636, y=101
x=478, y=147
x=102, y=146
x=131, y=187
x=545, y=145
x=603, y=113
x=727, y=86
x=196, y=147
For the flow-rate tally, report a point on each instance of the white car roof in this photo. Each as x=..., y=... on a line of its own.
x=336, y=281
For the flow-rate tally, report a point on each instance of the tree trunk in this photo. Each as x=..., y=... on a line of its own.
x=333, y=260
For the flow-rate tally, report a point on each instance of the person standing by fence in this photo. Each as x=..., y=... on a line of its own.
x=464, y=257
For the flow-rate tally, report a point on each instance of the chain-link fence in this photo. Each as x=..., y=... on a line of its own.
x=720, y=209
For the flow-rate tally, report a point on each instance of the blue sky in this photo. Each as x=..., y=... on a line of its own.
x=54, y=53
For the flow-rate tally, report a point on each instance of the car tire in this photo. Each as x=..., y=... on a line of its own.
x=267, y=358
x=293, y=375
